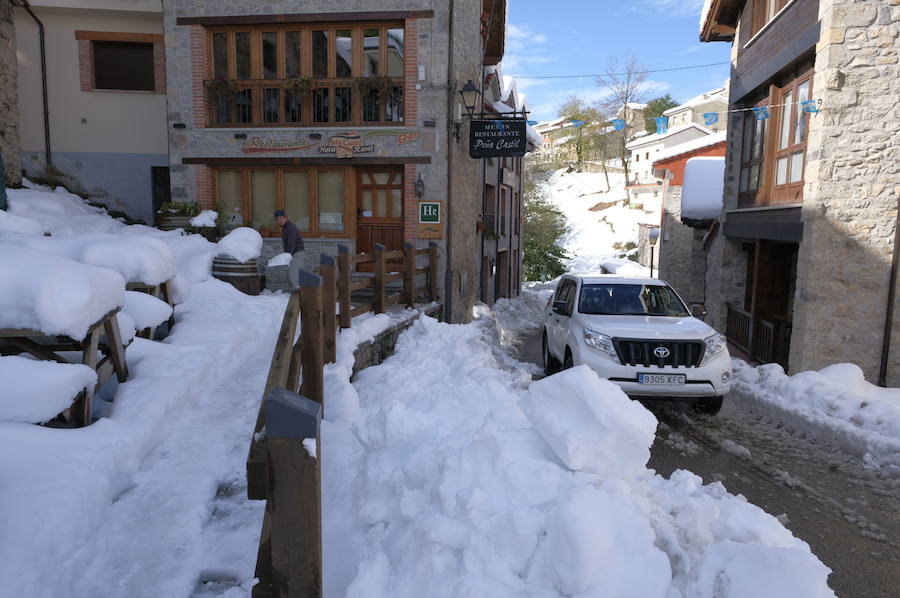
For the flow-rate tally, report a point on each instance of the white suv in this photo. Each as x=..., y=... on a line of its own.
x=637, y=333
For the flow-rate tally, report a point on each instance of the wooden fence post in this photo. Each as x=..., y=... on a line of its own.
x=312, y=345
x=378, y=302
x=295, y=499
x=409, y=277
x=329, y=324
x=432, y=270
x=345, y=278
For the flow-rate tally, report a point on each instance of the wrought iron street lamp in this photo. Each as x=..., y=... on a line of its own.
x=469, y=95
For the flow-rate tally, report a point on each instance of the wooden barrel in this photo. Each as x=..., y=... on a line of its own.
x=244, y=276
x=172, y=221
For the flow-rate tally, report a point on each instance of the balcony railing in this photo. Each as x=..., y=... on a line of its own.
x=769, y=342
x=268, y=103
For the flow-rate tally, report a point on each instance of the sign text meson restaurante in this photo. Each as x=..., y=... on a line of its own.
x=497, y=138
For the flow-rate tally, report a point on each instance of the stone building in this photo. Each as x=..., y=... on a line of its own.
x=103, y=133
x=344, y=113
x=804, y=270
x=682, y=242
x=10, y=148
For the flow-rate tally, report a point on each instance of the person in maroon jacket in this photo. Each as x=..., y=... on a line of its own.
x=292, y=243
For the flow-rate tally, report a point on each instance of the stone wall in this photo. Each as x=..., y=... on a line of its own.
x=851, y=194
x=10, y=147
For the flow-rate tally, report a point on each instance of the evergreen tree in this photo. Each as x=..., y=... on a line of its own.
x=544, y=225
x=655, y=108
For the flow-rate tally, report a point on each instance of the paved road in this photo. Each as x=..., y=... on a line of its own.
x=847, y=512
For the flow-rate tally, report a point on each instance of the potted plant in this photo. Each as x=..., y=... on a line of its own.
x=222, y=86
x=367, y=85
x=176, y=214
x=299, y=85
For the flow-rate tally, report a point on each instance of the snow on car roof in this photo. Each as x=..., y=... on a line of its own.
x=615, y=279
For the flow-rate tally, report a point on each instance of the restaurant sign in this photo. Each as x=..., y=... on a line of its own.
x=502, y=138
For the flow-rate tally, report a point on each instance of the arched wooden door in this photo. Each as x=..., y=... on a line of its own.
x=379, y=214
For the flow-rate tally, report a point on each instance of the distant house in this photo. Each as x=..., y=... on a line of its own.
x=694, y=109
x=643, y=185
x=804, y=271
x=105, y=117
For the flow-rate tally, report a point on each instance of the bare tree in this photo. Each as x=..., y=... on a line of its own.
x=625, y=85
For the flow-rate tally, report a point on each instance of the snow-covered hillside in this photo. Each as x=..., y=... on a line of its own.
x=598, y=220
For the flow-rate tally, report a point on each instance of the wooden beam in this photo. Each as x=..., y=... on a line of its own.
x=313, y=350
x=116, y=350
x=111, y=36
x=308, y=17
x=432, y=267
x=329, y=324
x=409, y=278
x=344, y=267
x=378, y=306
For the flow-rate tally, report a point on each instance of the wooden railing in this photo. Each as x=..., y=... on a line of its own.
x=283, y=466
x=737, y=327
x=762, y=340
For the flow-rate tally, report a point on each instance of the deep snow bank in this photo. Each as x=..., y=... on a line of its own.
x=437, y=483
x=836, y=402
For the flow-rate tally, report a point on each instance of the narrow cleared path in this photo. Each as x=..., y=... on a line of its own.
x=846, y=509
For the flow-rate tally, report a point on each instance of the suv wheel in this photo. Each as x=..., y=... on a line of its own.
x=710, y=406
x=551, y=364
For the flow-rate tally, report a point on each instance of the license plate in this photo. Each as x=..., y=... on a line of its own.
x=661, y=379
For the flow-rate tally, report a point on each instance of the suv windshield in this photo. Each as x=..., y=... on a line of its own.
x=630, y=300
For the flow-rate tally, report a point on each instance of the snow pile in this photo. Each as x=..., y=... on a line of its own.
x=836, y=402
x=704, y=180
x=520, y=316
x=242, y=244
x=589, y=425
x=125, y=506
x=593, y=232
x=146, y=310
x=205, y=218
x=282, y=259
x=704, y=14
x=437, y=483
x=59, y=211
x=19, y=224
x=40, y=291
x=37, y=391
x=136, y=258
x=692, y=145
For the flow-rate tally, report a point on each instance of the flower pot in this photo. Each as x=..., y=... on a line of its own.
x=172, y=221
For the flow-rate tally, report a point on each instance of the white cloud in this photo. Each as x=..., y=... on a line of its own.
x=524, y=49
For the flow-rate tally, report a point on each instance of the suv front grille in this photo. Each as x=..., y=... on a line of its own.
x=642, y=352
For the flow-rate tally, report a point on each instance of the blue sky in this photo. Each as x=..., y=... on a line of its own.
x=579, y=36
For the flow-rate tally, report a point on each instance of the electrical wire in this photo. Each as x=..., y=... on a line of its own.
x=677, y=68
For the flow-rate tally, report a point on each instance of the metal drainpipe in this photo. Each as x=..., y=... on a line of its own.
x=451, y=92
x=24, y=4
x=889, y=312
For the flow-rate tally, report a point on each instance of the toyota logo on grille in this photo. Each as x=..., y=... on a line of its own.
x=661, y=352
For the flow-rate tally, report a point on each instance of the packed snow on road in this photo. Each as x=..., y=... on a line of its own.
x=446, y=470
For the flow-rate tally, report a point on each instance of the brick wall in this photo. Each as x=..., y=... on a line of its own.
x=199, y=73
x=203, y=181
x=410, y=204
x=411, y=67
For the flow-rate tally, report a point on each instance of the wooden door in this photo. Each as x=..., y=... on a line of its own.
x=379, y=214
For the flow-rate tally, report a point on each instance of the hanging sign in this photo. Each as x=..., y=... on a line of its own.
x=618, y=124
x=497, y=138
x=429, y=220
x=761, y=112
x=710, y=118
x=662, y=124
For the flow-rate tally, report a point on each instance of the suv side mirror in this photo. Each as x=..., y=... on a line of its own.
x=561, y=307
x=697, y=310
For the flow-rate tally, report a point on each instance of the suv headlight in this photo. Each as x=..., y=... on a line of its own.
x=602, y=343
x=714, y=344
